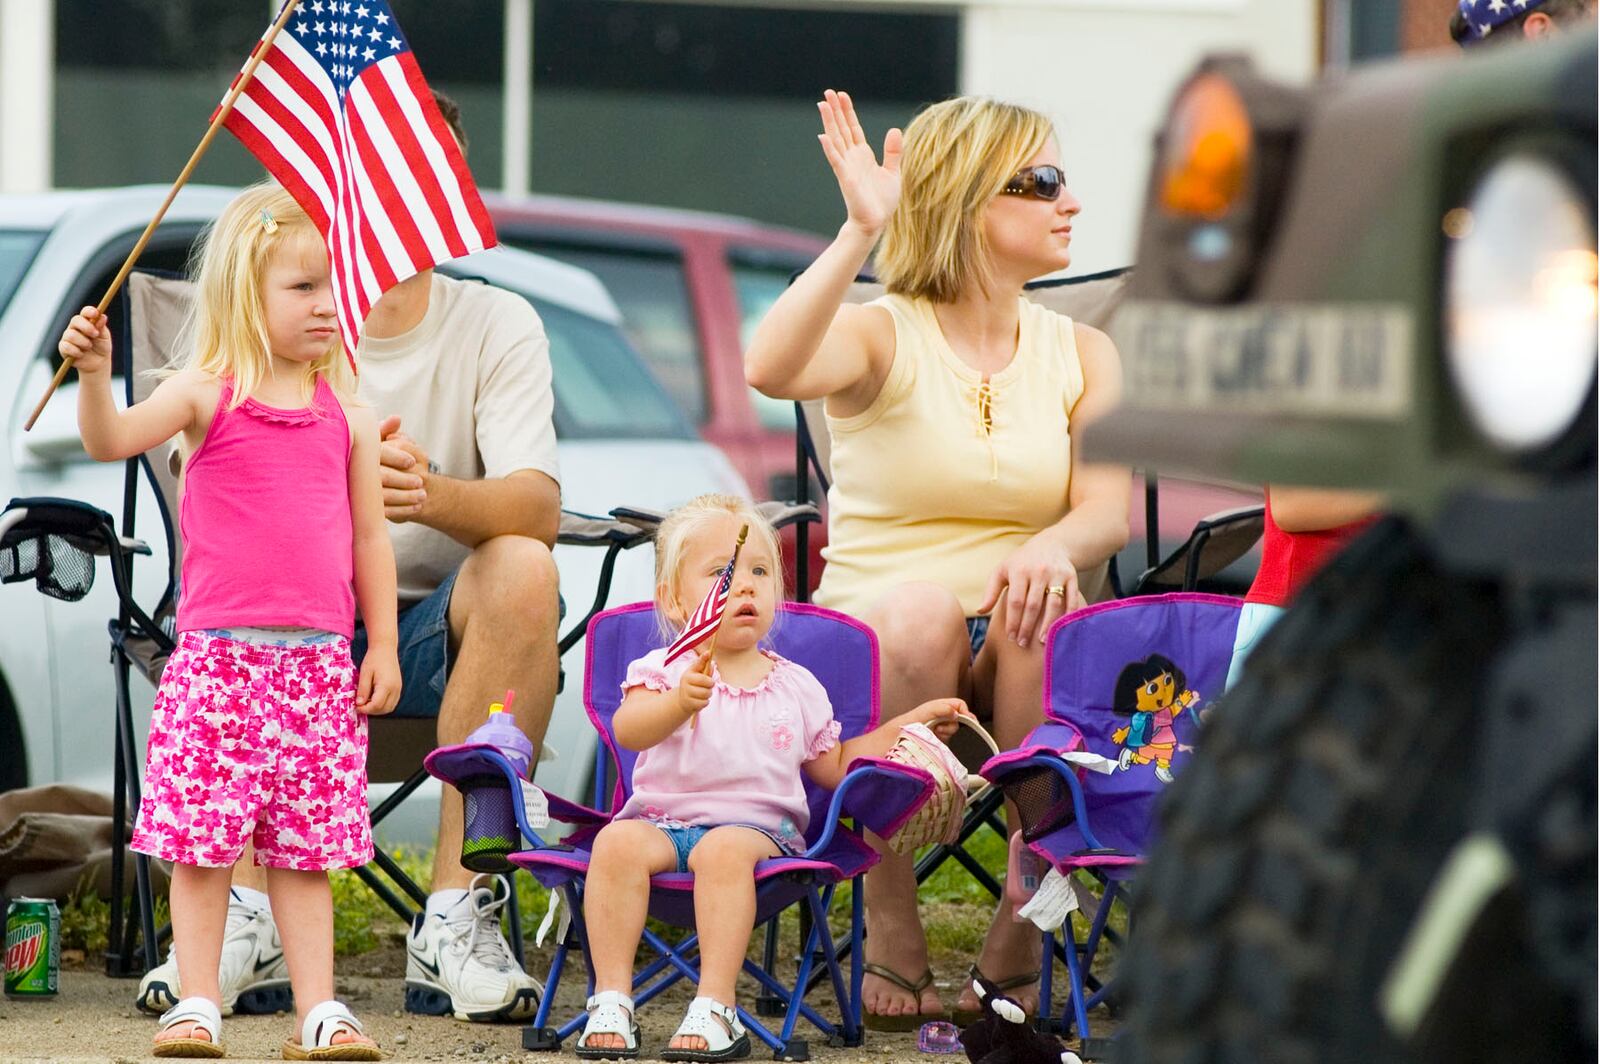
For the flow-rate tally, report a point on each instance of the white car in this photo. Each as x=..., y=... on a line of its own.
x=621, y=441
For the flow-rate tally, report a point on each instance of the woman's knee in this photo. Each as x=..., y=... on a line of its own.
x=919, y=626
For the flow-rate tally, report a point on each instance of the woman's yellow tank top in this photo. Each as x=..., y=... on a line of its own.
x=946, y=474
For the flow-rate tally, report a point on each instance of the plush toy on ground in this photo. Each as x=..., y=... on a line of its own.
x=1004, y=1034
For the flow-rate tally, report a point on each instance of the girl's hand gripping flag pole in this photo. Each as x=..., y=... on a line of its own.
x=217, y=122
x=707, y=617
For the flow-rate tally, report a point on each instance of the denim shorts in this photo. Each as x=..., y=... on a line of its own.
x=977, y=632
x=424, y=629
x=685, y=836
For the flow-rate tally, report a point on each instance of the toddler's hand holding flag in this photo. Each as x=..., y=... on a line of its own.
x=707, y=617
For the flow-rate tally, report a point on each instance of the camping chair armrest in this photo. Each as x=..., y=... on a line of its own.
x=879, y=795
x=473, y=761
x=1028, y=761
x=90, y=528
x=783, y=514
x=587, y=530
x=569, y=812
x=777, y=514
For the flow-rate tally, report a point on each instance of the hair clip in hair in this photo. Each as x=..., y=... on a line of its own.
x=268, y=222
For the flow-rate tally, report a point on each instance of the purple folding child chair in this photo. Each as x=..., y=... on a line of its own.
x=1125, y=685
x=843, y=655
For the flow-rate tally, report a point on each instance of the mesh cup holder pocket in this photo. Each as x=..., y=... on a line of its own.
x=57, y=565
x=491, y=831
x=1044, y=803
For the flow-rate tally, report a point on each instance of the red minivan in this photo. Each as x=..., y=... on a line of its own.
x=692, y=287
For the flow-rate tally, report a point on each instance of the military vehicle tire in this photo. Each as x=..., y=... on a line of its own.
x=1297, y=847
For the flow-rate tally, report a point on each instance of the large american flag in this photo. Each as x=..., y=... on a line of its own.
x=339, y=113
x=707, y=617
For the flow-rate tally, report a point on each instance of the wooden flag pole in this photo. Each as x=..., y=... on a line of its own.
x=711, y=645
x=188, y=168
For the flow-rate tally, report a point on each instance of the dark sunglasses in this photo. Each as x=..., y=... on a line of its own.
x=1041, y=182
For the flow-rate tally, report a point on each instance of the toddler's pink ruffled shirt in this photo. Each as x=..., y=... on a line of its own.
x=742, y=764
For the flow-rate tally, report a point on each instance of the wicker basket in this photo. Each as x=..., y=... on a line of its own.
x=939, y=820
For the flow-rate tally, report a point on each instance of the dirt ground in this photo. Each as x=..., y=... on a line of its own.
x=93, y=1019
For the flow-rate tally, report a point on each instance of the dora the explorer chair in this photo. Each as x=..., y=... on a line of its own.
x=842, y=654
x=1126, y=686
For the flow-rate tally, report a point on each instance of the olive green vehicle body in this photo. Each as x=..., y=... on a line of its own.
x=1325, y=365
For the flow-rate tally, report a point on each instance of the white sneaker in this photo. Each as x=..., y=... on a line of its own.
x=253, y=975
x=460, y=963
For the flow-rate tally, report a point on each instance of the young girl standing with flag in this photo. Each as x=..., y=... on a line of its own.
x=258, y=733
x=717, y=798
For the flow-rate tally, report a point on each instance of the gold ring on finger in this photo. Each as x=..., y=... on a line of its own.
x=1056, y=589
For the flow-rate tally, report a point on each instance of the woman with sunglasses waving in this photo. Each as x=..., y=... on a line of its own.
x=960, y=507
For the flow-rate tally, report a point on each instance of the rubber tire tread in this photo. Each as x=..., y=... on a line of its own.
x=1296, y=847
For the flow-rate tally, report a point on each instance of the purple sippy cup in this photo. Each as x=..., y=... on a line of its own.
x=501, y=730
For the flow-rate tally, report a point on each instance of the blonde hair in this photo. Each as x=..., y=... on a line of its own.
x=957, y=157
x=682, y=525
x=227, y=327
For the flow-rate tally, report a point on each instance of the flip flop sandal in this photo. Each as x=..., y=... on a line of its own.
x=610, y=1012
x=719, y=1025
x=965, y=1018
x=205, y=1015
x=906, y=1022
x=322, y=1023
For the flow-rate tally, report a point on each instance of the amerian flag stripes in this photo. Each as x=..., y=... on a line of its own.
x=339, y=113
x=707, y=617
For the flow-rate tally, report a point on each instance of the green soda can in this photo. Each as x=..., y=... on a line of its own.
x=33, y=948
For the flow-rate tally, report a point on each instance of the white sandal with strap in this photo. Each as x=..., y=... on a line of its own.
x=206, y=1016
x=610, y=1012
x=322, y=1023
x=719, y=1025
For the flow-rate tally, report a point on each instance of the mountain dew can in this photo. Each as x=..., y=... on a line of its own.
x=33, y=948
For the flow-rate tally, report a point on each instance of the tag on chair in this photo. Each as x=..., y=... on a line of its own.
x=535, y=806
x=550, y=918
x=1057, y=897
x=1092, y=762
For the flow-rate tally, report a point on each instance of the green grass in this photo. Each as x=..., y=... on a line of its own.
x=86, y=919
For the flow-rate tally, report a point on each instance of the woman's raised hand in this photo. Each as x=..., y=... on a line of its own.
x=870, y=191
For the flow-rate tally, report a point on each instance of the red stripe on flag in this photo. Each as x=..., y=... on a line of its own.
x=458, y=162
x=405, y=139
x=396, y=214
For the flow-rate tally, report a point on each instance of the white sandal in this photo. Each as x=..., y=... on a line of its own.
x=206, y=1016
x=719, y=1025
x=317, y=1032
x=610, y=1012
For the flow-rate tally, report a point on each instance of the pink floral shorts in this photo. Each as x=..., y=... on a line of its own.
x=256, y=743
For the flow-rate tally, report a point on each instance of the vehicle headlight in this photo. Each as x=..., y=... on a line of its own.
x=1521, y=302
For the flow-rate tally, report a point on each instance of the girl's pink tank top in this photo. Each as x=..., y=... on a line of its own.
x=265, y=519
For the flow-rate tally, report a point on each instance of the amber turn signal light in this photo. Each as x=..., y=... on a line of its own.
x=1206, y=161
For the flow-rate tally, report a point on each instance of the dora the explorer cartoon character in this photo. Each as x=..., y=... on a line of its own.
x=1152, y=692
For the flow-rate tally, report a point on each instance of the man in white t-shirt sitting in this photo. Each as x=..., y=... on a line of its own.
x=459, y=373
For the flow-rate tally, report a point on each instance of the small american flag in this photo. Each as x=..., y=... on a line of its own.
x=339, y=113
x=707, y=617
